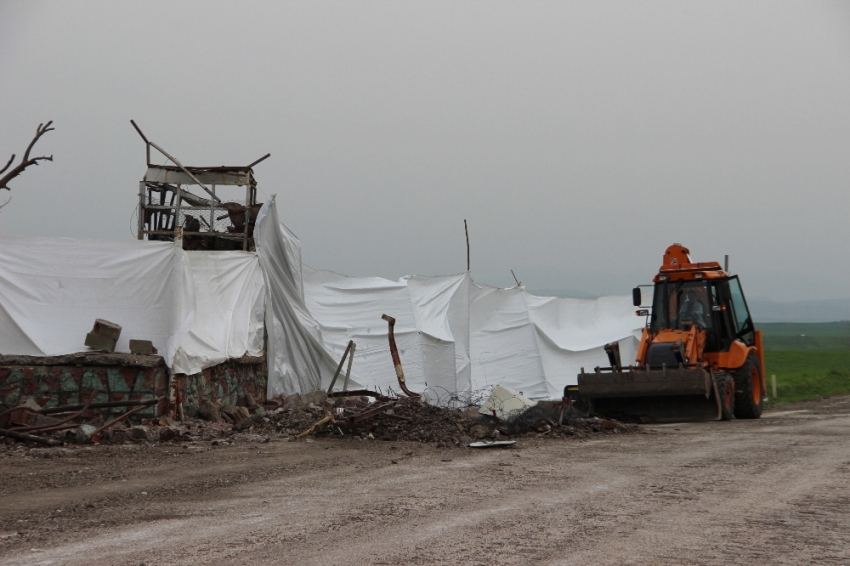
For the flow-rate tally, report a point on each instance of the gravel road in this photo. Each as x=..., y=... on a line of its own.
x=772, y=491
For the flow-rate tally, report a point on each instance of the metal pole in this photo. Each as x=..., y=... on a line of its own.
x=141, y=236
x=180, y=165
x=339, y=367
x=178, y=227
x=348, y=369
x=726, y=263
x=466, y=229
x=212, y=212
x=247, y=216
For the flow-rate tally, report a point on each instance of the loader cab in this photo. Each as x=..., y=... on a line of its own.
x=715, y=304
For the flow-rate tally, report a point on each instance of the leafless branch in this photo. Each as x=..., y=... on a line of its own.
x=26, y=161
x=11, y=159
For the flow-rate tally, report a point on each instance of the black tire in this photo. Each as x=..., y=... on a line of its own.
x=726, y=389
x=749, y=400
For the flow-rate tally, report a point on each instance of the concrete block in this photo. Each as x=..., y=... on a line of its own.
x=142, y=347
x=98, y=342
x=106, y=329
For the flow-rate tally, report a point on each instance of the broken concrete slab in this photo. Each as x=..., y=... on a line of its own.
x=506, y=403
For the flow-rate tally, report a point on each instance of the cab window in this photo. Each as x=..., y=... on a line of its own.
x=740, y=312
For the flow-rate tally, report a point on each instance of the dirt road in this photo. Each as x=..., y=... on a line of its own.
x=773, y=491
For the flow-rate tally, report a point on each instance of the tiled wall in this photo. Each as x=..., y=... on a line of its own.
x=56, y=385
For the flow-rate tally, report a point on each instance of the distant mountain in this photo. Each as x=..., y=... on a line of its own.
x=828, y=310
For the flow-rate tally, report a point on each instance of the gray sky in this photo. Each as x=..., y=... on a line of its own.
x=579, y=139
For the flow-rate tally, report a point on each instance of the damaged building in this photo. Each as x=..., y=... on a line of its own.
x=213, y=304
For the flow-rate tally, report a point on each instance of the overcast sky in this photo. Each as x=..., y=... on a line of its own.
x=579, y=139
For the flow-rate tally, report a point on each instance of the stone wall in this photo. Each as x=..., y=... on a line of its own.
x=235, y=382
x=68, y=380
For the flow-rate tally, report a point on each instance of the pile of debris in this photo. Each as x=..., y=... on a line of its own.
x=342, y=415
x=366, y=414
x=52, y=426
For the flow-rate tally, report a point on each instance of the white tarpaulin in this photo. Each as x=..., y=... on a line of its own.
x=297, y=359
x=201, y=308
x=229, y=310
x=431, y=329
x=538, y=345
x=197, y=308
x=456, y=336
x=53, y=289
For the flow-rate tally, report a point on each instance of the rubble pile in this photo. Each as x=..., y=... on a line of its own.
x=410, y=419
x=315, y=414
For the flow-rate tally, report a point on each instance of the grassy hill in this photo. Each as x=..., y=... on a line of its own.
x=809, y=360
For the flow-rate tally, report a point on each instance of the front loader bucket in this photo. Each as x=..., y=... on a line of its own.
x=665, y=395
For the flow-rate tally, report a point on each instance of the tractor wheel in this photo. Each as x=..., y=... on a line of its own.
x=748, y=398
x=726, y=388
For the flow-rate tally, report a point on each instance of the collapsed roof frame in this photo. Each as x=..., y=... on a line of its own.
x=163, y=198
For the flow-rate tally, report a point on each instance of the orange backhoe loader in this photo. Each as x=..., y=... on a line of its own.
x=700, y=357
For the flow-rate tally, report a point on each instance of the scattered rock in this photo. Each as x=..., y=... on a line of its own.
x=479, y=431
x=208, y=411
x=317, y=397
x=168, y=433
x=83, y=433
x=141, y=432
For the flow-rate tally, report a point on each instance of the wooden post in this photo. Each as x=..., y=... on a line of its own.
x=773, y=383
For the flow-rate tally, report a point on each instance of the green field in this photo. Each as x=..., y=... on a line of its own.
x=810, y=360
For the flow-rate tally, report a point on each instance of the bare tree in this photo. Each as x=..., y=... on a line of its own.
x=26, y=161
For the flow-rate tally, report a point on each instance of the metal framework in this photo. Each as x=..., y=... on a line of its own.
x=168, y=210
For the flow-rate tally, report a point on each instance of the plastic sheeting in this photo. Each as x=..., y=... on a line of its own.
x=431, y=329
x=53, y=289
x=229, y=293
x=198, y=308
x=298, y=361
x=538, y=345
x=456, y=336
